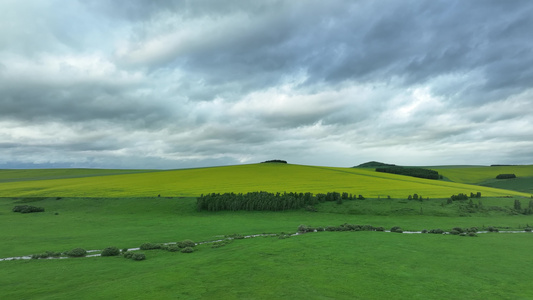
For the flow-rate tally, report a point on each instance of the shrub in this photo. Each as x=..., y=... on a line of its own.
x=527, y=229
x=53, y=254
x=186, y=243
x=380, y=229
x=436, y=231
x=493, y=229
x=187, y=250
x=302, y=228
x=472, y=229
x=455, y=232
x=458, y=229
x=425, y=231
x=320, y=228
x=128, y=254
x=459, y=196
x=76, y=252
x=124, y=250
x=396, y=229
x=472, y=234
x=368, y=228
x=27, y=209
x=110, y=251
x=173, y=248
x=138, y=256
x=150, y=246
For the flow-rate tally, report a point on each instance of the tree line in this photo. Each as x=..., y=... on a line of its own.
x=267, y=201
x=410, y=171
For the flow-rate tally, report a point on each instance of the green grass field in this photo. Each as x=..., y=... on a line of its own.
x=479, y=175
x=90, y=211
x=361, y=265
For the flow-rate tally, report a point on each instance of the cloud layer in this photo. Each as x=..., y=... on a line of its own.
x=168, y=84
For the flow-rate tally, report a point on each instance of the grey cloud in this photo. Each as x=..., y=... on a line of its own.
x=167, y=83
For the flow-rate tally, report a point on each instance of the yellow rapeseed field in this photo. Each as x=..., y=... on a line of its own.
x=270, y=177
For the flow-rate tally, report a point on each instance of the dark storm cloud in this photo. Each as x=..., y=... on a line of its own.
x=179, y=83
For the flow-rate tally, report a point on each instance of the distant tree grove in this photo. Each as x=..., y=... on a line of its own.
x=267, y=201
x=409, y=171
x=506, y=176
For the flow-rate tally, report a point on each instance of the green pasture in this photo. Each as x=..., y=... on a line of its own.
x=479, y=175
x=244, y=178
x=94, y=209
x=96, y=223
x=326, y=265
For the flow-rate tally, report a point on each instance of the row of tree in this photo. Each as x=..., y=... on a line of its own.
x=462, y=196
x=267, y=201
x=410, y=171
x=506, y=176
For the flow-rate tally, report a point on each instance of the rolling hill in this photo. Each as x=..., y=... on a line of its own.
x=247, y=178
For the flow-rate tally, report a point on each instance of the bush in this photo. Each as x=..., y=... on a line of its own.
x=138, y=256
x=472, y=229
x=173, y=248
x=472, y=234
x=425, y=231
x=458, y=229
x=187, y=250
x=302, y=228
x=436, y=231
x=455, y=232
x=492, y=229
x=459, y=196
x=27, y=209
x=128, y=254
x=186, y=243
x=396, y=229
x=124, y=250
x=110, y=251
x=527, y=229
x=150, y=246
x=380, y=229
x=76, y=252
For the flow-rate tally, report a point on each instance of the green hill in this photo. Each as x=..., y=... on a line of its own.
x=240, y=178
x=486, y=176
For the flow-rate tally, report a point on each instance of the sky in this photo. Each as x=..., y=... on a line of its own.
x=181, y=84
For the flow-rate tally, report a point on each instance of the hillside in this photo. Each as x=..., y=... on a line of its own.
x=242, y=178
x=486, y=176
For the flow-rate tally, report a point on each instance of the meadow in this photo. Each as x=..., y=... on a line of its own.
x=97, y=209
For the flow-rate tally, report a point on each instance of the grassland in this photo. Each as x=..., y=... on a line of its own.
x=479, y=175
x=123, y=210
x=363, y=265
x=244, y=178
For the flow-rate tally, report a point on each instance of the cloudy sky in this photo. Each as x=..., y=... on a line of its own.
x=175, y=84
